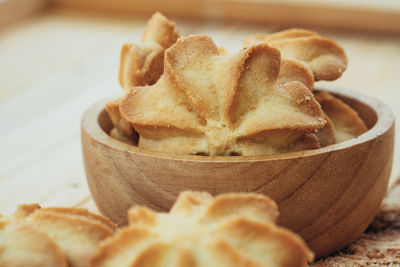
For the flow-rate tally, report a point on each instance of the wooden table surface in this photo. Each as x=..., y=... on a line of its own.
x=55, y=64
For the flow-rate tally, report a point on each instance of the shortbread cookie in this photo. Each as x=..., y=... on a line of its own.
x=379, y=245
x=228, y=230
x=23, y=245
x=142, y=64
x=326, y=136
x=293, y=70
x=212, y=104
x=347, y=124
x=324, y=57
x=122, y=130
x=51, y=236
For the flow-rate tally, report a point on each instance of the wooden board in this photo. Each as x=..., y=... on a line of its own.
x=54, y=65
x=11, y=10
x=371, y=15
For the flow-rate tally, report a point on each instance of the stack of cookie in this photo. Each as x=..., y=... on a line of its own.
x=200, y=99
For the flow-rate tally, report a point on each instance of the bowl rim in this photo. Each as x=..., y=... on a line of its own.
x=385, y=120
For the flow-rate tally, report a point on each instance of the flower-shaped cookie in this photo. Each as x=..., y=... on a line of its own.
x=326, y=135
x=142, y=64
x=321, y=57
x=228, y=230
x=51, y=236
x=212, y=104
x=342, y=118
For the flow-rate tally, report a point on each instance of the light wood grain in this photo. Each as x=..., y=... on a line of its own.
x=55, y=64
x=369, y=15
x=12, y=10
x=328, y=195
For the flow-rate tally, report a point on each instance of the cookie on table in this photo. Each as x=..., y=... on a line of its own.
x=23, y=245
x=233, y=229
x=33, y=236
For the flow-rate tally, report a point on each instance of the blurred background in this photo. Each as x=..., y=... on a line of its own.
x=59, y=57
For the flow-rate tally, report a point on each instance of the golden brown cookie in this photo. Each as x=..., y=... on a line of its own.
x=23, y=245
x=324, y=57
x=212, y=104
x=51, y=236
x=293, y=70
x=142, y=64
x=200, y=230
x=122, y=130
x=347, y=124
x=326, y=136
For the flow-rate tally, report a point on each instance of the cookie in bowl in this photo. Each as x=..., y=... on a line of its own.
x=211, y=102
x=344, y=120
x=323, y=57
x=246, y=121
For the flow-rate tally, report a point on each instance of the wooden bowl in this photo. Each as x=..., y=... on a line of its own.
x=328, y=195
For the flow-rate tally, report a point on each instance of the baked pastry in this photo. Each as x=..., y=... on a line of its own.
x=23, y=245
x=345, y=120
x=326, y=135
x=228, y=230
x=209, y=114
x=211, y=104
x=141, y=64
x=122, y=130
x=51, y=236
x=322, y=57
